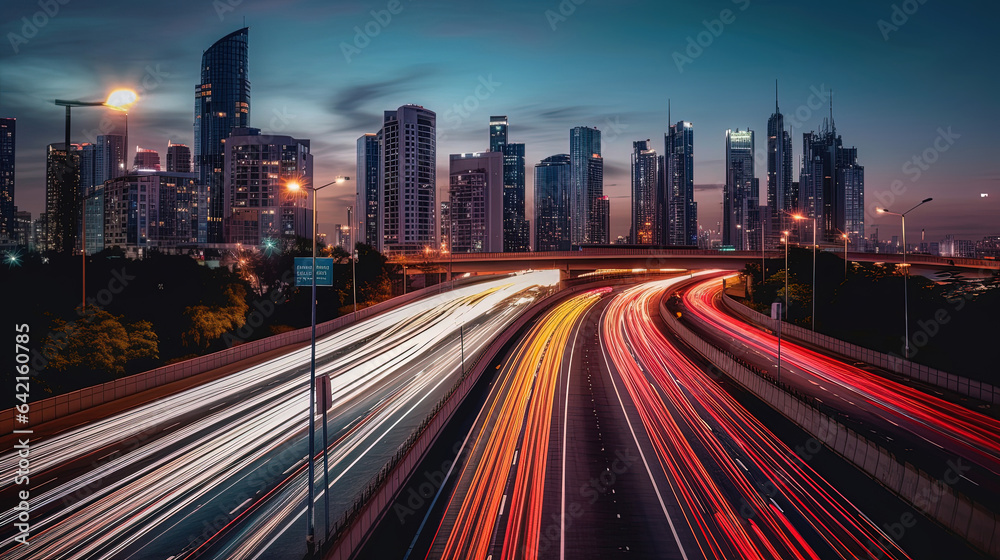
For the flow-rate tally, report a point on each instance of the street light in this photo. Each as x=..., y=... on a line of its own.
x=846, y=241
x=785, y=241
x=801, y=217
x=310, y=515
x=120, y=100
x=906, y=274
x=354, y=255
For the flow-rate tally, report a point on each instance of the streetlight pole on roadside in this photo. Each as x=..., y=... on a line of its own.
x=785, y=240
x=801, y=217
x=120, y=100
x=310, y=514
x=906, y=274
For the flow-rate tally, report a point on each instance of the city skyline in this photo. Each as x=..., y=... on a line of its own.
x=885, y=103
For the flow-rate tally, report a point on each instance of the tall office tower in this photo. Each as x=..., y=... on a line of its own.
x=584, y=145
x=408, y=188
x=740, y=195
x=8, y=129
x=647, y=221
x=221, y=103
x=597, y=230
x=22, y=227
x=109, y=158
x=782, y=193
x=146, y=210
x=40, y=233
x=146, y=160
x=257, y=203
x=515, y=227
x=367, y=205
x=445, y=226
x=498, y=133
x=62, y=198
x=601, y=232
x=552, y=204
x=87, y=153
x=476, y=202
x=682, y=211
x=832, y=186
x=178, y=158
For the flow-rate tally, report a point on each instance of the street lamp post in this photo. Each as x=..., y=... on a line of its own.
x=906, y=274
x=310, y=514
x=801, y=217
x=785, y=240
x=354, y=255
x=846, y=240
x=120, y=100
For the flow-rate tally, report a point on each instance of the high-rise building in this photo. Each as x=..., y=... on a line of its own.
x=782, y=193
x=109, y=158
x=476, y=202
x=647, y=219
x=178, y=158
x=257, y=203
x=741, y=193
x=22, y=227
x=832, y=186
x=552, y=204
x=87, y=153
x=602, y=221
x=8, y=136
x=93, y=209
x=408, y=188
x=515, y=226
x=146, y=160
x=498, y=133
x=368, y=203
x=39, y=234
x=342, y=236
x=221, y=103
x=150, y=210
x=445, y=226
x=682, y=210
x=584, y=146
x=62, y=198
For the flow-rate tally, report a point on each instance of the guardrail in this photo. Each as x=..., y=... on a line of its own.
x=962, y=385
x=933, y=496
x=49, y=409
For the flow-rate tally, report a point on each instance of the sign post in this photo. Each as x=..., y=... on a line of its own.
x=303, y=271
x=776, y=315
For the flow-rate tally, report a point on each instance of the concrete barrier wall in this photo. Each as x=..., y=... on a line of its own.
x=934, y=497
x=51, y=408
x=962, y=385
x=352, y=530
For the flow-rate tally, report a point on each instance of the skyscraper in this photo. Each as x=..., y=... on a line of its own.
x=87, y=153
x=584, y=146
x=109, y=158
x=221, y=103
x=552, y=204
x=146, y=210
x=178, y=158
x=682, y=211
x=408, y=187
x=515, y=227
x=832, y=185
x=62, y=198
x=782, y=194
x=741, y=193
x=8, y=129
x=647, y=222
x=601, y=226
x=257, y=204
x=498, y=133
x=146, y=160
x=476, y=202
x=367, y=205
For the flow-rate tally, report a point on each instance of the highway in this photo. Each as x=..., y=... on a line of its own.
x=218, y=471
x=920, y=426
x=599, y=439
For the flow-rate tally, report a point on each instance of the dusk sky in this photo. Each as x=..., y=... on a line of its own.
x=606, y=64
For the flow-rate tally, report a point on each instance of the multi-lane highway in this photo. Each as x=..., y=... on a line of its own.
x=218, y=471
x=928, y=428
x=600, y=439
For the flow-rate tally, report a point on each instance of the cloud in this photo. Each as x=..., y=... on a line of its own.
x=352, y=102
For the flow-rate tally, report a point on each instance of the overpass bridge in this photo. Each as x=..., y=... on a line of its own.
x=573, y=263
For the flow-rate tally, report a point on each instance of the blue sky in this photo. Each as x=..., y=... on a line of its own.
x=549, y=66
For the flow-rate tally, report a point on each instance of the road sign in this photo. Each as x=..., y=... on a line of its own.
x=303, y=271
x=776, y=310
x=323, y=395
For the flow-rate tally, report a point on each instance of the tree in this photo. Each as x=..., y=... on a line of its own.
x=209, y=322
x=99, y=341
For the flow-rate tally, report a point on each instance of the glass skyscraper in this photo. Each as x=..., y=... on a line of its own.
x=832, y=186
x=515, y=227
x=782, y=196
x=552, y=204
x=8, y=129
x=367, y=205
x=646, y=220
x=741, y=193
x=584, y=145
x=682, y=211
x=221, y=103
